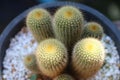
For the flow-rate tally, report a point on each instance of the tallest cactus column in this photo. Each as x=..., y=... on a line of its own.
x=39, y=23
x=68, y=22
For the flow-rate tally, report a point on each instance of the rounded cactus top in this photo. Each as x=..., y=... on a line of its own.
x=38, y=13
x=90, y=47
x=39, y=16
x=93, y=28
x=29, y=59
x=51, y=46
x=69, y=13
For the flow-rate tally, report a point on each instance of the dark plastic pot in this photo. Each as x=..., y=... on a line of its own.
x=89, y=14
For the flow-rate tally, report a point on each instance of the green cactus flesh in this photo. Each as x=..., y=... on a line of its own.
x=87, y=57
x=31, y=63
x=39, y=23
x=68, y=22
x=52, y=57
x=92, y=29
x=64, y=77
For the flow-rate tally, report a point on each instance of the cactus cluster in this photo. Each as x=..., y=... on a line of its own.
x=52, y=56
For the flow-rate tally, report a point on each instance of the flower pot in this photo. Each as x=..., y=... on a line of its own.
x=90, y=15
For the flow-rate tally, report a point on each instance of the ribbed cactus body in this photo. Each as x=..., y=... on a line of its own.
x=39, y=23
x=68, y=23
x=92, y=29
x=87, y=57
x=30, y=63
x=64, y=77
x=52, y=57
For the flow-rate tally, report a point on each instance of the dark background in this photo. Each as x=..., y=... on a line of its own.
x=9, y=9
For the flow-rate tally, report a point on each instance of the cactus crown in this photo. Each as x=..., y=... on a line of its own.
x=50, y=48
x=68, y=13
x=31, y=63
x=92, y=29
x=90, y=46
x=93, y=26
x=29, y=59
x=38, y=14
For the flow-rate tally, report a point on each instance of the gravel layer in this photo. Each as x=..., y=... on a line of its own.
x=24, y=43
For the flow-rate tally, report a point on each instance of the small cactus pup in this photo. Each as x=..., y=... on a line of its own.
x=51, y=57
x=39, y=22
x=64, y=77
x=87, y=57
x=67, y=25
x=92, y=29
x=30, y=63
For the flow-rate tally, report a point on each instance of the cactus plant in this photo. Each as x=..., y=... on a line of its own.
x=31, y=63
x=68, y=23
x=52, y=57
x=87, y=57
x=64, y=77
x=39, y=23
x=92, y=29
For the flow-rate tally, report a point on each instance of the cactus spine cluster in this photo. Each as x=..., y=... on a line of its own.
x=87, y=57
x=92, y=29
x=68, y=22
x=39, y=23
x=64, y=77
x=31, y=63
x=52, y=57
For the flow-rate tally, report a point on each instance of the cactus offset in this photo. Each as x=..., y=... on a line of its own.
x=92, y=29
x=39, y=23
x=64, y=77
x=68, y=23
x=52, y=57
x=87, y=57
x=31, y=63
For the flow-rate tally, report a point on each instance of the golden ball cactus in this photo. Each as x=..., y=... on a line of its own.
x=68, y=23
x=92, y=29
x=52, y=57
x=30, y=63
x=39, y=22
x=88, y=57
